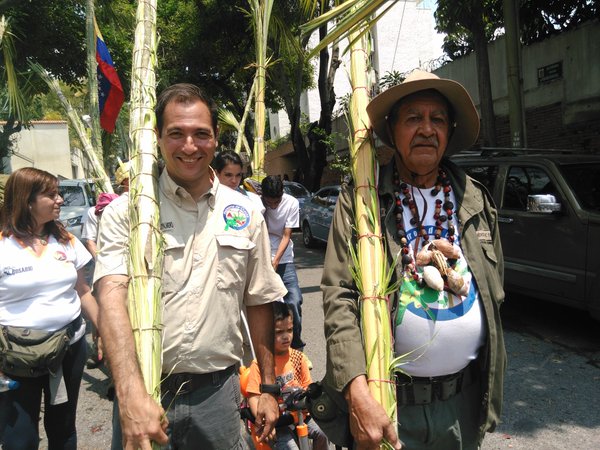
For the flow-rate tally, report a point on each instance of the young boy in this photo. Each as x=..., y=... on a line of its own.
x=291, y=369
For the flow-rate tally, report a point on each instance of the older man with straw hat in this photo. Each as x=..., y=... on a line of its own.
x=441, y=231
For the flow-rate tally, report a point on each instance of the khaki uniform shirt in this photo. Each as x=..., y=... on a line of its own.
x=216, y=259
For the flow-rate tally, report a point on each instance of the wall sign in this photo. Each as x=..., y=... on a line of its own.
x=550, y=72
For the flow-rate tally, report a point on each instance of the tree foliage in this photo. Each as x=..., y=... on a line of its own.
x=209, y=43
x=538, y=19
x=459, y=19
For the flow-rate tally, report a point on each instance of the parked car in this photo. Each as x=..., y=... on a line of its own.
x=78, y=196
x=316, y=215
x=296, y=190
x=549, y=215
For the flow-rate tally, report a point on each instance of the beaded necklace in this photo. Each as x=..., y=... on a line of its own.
x=402, y=189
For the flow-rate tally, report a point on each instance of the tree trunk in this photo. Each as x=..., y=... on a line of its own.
x=486, y=104
x=318, y=148
x=300, y=150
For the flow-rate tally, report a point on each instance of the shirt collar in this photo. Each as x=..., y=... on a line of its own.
x=179, y=194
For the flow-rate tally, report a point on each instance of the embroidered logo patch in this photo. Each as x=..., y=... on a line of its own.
x=60, y=255
x=236, y=217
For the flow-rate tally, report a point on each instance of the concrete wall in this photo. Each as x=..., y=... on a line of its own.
x=577, y=89
x=44, y=146
x=573, y=95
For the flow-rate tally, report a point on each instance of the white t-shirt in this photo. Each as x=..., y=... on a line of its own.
x=39, y=291
x=442, y=331
x=255, y=199
x=286, y=215
x=90, y=226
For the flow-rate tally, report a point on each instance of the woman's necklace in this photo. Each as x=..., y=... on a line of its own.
x=43, y=238
x=404, y=199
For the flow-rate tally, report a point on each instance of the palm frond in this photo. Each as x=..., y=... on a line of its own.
x=97, y=170
x=352, y=17
x=16, y=100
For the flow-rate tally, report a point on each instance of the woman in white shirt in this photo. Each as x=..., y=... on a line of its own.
x=229, y=168
x=42, y=287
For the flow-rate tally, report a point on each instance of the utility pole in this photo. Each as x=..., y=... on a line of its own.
x=513, y=66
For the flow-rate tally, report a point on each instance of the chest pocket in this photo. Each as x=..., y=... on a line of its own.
x=174, y=274
x=233, y=253
x=490, y=254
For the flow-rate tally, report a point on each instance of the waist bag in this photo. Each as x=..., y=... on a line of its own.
x=29, y=353
x=329, y=409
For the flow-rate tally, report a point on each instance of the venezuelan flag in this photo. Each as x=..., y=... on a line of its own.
x=110, y=91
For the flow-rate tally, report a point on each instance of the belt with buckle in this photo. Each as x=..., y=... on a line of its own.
x=184, y=383
x=424, y=390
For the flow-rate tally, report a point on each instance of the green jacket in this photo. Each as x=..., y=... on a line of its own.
x=480, y=242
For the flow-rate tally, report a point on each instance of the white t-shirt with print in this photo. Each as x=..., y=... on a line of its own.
x=440, y=332
x=286, y=215
x=39, y=291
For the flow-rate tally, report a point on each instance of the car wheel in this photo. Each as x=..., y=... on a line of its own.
x=307, y=237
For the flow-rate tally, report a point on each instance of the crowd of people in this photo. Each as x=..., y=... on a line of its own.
x=228, y=254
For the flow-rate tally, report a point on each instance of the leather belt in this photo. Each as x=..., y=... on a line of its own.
x=424, y=390
x=184, y=383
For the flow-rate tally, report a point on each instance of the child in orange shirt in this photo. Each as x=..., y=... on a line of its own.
x=291, y=370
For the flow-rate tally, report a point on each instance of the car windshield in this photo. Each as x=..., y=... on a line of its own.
x=296, y=190
x=584, y=179
x=72, y=195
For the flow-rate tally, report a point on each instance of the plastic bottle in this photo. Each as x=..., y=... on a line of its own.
x=6, y=384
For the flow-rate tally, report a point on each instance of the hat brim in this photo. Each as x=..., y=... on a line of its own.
x=465, y=115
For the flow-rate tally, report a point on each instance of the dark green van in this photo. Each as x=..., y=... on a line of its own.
x=549, y=214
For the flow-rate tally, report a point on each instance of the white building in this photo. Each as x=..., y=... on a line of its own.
x=404, y=39
x=45, y=145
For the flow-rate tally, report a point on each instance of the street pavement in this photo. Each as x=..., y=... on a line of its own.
x=552, y=388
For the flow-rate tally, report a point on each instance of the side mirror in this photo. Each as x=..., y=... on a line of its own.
x=543, y=204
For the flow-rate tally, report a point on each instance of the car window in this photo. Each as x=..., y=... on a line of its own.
x=523, y=181
x=321, y=197
x=486, y=175
x=332, y=199
x=296, y=190
x=72, y=195
x=585, y=183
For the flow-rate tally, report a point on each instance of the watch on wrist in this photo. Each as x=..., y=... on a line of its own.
x=274, y=389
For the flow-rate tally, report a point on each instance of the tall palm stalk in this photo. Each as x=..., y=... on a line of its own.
x=261, y=15
x=97, y=169
x=371, y=271
x=92, y=66
x=241, y=138
x=146, y=243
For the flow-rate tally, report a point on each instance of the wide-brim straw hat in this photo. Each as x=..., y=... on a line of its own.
x=466, y=118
